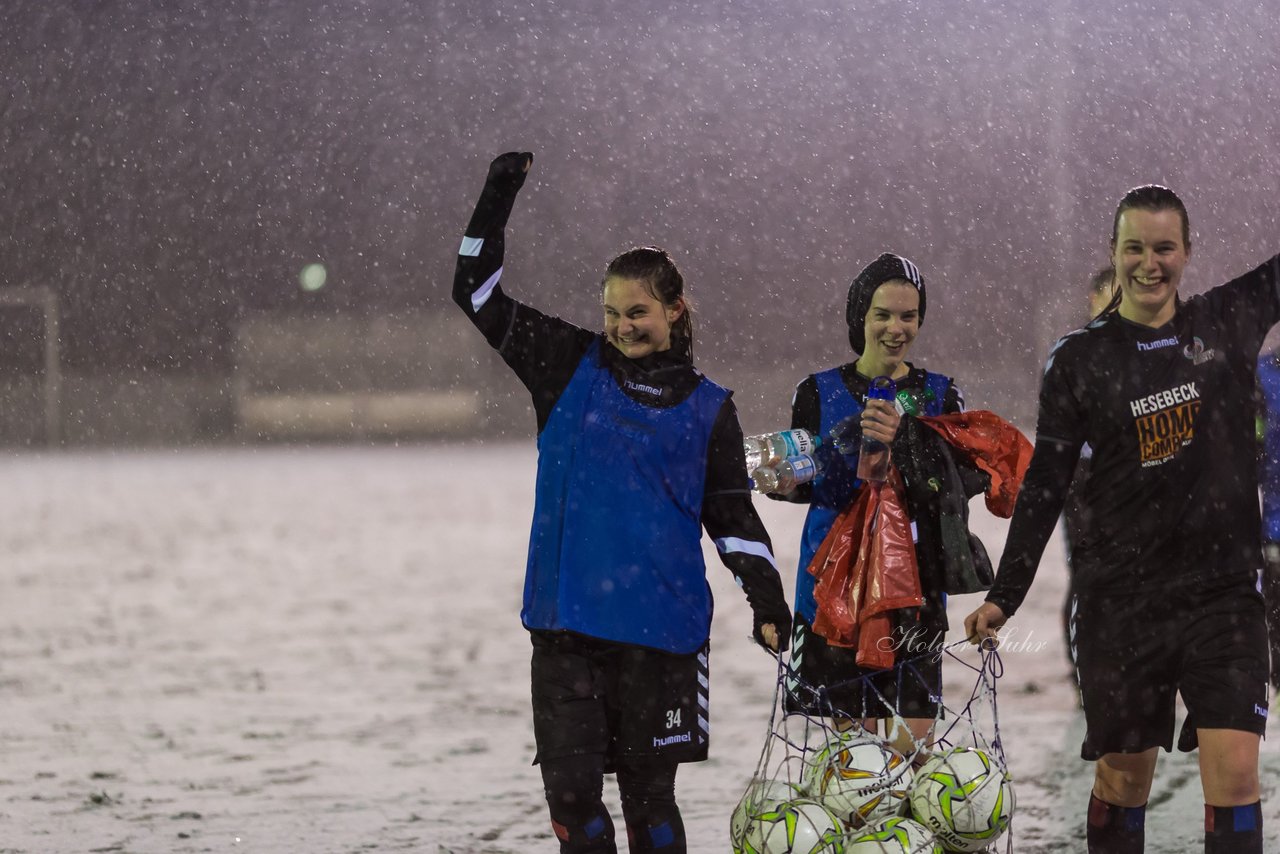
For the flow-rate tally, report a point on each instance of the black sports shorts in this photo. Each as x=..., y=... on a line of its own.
x=1136, y=651
x=596, y=696
x=831, y=684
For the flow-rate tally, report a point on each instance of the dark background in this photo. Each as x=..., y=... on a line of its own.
x=169, y=167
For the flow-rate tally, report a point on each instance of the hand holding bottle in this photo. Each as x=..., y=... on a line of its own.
x=880, y=420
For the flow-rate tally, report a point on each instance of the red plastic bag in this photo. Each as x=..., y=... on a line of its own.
x=864, y=569
x=992, y=444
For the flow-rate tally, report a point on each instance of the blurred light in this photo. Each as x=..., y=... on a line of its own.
x=312, y=277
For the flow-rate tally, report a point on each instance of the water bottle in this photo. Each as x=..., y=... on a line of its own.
x=784, y=475
x=873, y=456
x=769, y=448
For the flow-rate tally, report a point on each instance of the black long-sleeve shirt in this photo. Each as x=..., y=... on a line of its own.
x=1171, y=494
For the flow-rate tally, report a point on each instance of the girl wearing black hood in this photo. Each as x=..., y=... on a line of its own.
x=884, y=311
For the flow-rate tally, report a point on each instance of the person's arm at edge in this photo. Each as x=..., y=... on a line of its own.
x=805, y=415
x=1040, y=502
x=742, y=542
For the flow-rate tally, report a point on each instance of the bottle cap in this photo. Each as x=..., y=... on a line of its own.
x=882, y=388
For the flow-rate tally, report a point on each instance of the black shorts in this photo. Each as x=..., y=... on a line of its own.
x=831, y=684
x=595, y=696
x=1134, y=653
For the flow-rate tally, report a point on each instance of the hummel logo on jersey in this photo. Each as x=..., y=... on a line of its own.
x=1196, y=352
x=683, y=737
x=647, y=389
x=1158, y=344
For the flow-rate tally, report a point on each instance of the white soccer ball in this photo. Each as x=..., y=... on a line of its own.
x=797, y=827
x=859, y=777
x=895, y=835
x=762, y=796
x=963, y=797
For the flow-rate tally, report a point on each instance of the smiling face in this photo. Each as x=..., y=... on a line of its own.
x=1149, y=255
x=892, y=322
x=635, y=321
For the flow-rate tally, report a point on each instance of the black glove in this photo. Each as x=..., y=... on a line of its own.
x=507, y=171
x=506, y=176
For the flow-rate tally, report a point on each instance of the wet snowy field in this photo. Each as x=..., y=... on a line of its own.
x=319, y=650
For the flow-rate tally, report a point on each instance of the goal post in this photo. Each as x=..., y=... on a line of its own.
x=30, y=366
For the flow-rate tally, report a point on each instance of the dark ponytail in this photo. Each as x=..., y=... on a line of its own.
x=1103, y=281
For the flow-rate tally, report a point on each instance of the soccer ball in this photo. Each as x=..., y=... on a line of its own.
x=963, y=797
x=896, y=835
x=858, y=777
x=745, y=833
x=795, y=827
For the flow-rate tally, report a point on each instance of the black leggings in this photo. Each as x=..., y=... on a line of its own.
x=575, y=786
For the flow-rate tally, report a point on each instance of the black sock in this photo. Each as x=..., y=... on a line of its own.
x=1233, y=830
x=1115, y=830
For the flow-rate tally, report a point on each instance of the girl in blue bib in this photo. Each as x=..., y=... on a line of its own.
x=638, y=454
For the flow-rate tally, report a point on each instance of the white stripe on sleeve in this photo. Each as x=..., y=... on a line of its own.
x=471, y=246
x=730, y=545
x=481, y=296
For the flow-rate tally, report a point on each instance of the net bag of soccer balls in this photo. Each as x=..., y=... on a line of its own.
x=857, y=795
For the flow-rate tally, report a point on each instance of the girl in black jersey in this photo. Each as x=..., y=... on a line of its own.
x=1165, y=574
x=638, y=453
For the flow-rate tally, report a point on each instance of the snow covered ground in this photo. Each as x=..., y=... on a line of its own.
x=319, y=650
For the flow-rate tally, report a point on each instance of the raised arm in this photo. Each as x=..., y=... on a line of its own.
x=542, y=350
x=483, y=246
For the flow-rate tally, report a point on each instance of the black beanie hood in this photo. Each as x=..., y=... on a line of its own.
x=885, y=268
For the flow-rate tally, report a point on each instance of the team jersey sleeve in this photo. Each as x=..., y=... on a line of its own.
x=731, y=521
x=806, y=414
x=543, y=351
x=1248, y=305
x=953, y=399
x=1059, y=436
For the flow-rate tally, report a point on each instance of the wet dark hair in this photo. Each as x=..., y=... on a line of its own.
x=654, y=267
x=1102, y=279
x=1153, y=198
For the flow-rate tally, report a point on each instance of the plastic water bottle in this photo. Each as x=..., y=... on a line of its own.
x=873, y=456
x=769, y=448
x=784, y=475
